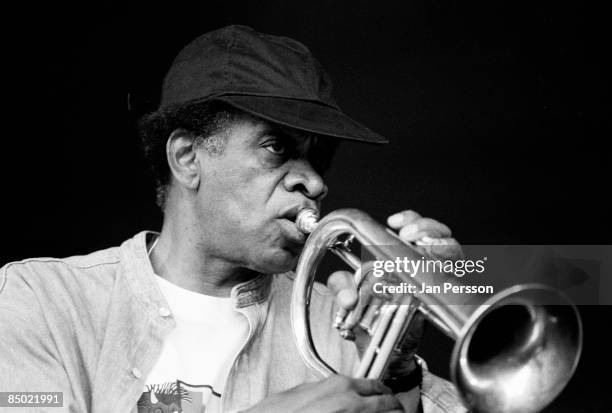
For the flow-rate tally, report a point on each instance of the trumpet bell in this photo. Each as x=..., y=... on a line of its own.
x=517, y=351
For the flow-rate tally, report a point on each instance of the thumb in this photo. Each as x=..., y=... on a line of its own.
x=344, y=289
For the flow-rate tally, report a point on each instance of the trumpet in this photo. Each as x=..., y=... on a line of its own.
x=514, y=351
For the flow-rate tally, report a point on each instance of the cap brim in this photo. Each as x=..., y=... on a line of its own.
x=305, y=115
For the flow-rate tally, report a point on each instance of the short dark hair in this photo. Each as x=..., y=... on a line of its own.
x=202, y=120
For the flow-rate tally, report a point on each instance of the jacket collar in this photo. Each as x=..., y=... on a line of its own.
x=140, y=275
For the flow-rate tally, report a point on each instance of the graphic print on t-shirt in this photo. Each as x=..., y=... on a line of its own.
x=175, y=397
x=196, y=356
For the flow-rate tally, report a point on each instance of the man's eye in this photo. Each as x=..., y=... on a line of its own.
x=277, y=148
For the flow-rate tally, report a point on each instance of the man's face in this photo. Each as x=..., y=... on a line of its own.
x=250, y=194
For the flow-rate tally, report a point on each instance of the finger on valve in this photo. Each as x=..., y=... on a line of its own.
x=347, y=318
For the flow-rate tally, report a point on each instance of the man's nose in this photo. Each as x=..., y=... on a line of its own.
x=303, y=177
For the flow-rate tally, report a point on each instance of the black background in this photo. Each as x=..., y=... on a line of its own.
x=497, y=112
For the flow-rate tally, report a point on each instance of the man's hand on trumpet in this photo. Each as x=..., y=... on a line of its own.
x=428, y=236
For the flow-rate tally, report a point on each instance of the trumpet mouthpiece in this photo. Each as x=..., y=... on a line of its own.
x=307, y=220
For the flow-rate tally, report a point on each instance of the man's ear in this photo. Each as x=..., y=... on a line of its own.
x=182, y=159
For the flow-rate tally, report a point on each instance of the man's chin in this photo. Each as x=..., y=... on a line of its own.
x=281, y=261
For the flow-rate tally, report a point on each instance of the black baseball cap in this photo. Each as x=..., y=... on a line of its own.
x=273, y=77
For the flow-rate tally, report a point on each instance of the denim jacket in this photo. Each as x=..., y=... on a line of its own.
x=92, y=327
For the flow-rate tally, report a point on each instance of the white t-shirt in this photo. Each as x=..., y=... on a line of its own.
x=197, y=355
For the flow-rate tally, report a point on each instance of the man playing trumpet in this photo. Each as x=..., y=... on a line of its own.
x=196, y=317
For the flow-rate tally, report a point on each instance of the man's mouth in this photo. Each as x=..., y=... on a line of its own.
x=290, y=231
x=291, y=213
